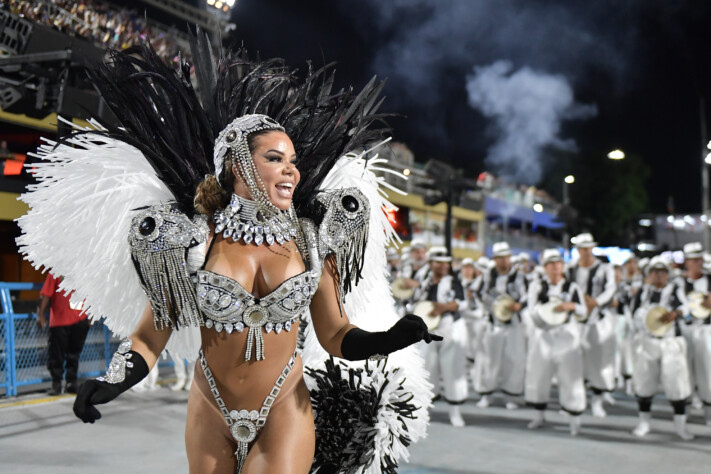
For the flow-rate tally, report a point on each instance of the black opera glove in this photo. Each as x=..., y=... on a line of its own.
x=126, y=369
x=358, y=344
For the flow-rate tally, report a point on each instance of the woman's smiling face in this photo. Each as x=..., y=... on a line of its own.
x=274, y=156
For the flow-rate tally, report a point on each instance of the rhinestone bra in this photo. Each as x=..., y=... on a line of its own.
x=228, y=306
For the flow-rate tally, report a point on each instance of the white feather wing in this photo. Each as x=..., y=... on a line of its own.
x=370, y=305
x=78, y=224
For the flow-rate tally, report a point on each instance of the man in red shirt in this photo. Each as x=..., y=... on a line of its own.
x=68, y=328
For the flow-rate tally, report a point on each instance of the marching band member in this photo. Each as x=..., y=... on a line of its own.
x=467, y=276
x=449, y=360
x=597, y=280
x=478, y=316
x=393, y=259
x=482, y=264
x=415, y=269
x=659, y=349
x=555, y=346
x=695, y=294
x=467, y=273
x=643, y=262
x=501, y=353
x=632, y=276
x=624, y=328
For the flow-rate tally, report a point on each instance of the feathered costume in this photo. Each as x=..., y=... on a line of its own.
x=139, y=178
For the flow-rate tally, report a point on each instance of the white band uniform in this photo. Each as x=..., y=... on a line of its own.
x=501, y=352
x=659, y=357
x=599, y=340
x=556, y=352
x=447, y=360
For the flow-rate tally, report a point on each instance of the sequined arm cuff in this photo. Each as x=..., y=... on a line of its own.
x=126, y=366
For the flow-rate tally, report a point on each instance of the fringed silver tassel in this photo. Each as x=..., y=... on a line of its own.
x=169, y=288
x=255, y=338
x=350, y=259
x=241, y=455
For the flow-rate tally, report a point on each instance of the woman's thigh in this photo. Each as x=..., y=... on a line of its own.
x=287, y=442
x=208, y=442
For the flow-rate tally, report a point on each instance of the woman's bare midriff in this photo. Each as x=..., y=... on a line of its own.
x=259, y=269
x=245, y=384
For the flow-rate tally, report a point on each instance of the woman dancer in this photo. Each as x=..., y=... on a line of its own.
x=249, y=409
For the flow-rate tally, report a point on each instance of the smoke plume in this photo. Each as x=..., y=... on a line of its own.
x=428, y=47
x=526, y=108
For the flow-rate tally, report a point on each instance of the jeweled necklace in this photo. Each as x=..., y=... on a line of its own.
x=241, y=220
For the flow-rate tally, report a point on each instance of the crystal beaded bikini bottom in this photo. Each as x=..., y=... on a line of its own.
x=244, y=425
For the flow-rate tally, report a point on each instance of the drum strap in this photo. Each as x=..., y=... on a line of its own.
x=591, y=277
x=689, y=285
x=543, y=294
x=432, y=289
x=494, y=275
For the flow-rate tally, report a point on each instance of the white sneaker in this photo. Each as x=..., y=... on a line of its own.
x=696, y=402
x=511, y=406
x=642, y=428
x=538, y=421
x=178, y=385
x=629, y=390
x=483, y=402
x=596, y=406
x=680, y=426
x=455, y=416
x=607, y=398
x=574, y=425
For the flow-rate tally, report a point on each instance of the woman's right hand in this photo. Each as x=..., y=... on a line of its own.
x=98, y=392
x=90, y=393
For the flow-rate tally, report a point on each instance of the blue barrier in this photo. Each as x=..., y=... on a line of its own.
x=23, y=346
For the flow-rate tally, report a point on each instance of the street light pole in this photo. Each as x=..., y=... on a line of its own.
x=570, y=179
x=704, y=171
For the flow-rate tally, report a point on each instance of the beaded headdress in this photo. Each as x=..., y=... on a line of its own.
x=233, y=141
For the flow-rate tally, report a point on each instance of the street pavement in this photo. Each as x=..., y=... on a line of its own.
x=143, y=433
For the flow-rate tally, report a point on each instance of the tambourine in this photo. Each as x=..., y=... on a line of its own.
x=696, y=305
x=500, y=308
x=546, y=312
x=423, y=310
x=401, y=292
x=654, y=323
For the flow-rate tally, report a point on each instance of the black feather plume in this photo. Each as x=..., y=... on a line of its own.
x=174, y=126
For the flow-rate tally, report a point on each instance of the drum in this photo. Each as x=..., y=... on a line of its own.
x=399, y=291
x=696, y=305
x=423, y=310
x=654, y=323
x=500, y=308
x=547, y=314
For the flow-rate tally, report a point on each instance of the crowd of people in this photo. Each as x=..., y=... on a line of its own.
x=103, y=24
x=517, y=328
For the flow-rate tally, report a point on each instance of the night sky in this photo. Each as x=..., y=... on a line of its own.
x=636, y=70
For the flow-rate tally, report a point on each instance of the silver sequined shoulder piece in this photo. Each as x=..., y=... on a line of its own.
x=159, y=238
x=164, y=227
x=347, y=218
